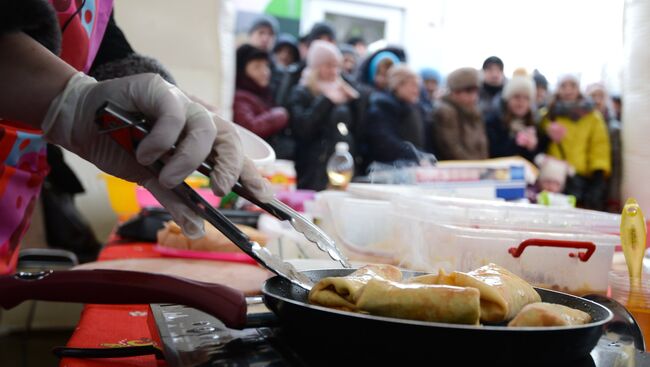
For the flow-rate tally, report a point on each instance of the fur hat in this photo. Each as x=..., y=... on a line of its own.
x=463, y=78
x=265, y=21
x=398, y=75
x=519, y=84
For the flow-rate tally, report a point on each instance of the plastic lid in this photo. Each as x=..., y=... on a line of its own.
x=342, y=147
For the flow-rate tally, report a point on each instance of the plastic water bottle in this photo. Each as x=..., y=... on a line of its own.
x=340, y=167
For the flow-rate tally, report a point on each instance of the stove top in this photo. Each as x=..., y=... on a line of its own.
x=193, y=338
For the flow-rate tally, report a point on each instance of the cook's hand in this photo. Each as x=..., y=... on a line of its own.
x=556, y=132
x=69, y=122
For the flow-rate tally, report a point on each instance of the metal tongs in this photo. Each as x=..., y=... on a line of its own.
x=128, y=129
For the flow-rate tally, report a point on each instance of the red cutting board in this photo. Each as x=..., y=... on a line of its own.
x=246, y=278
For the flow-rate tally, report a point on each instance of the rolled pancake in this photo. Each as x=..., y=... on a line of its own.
x=442, y=278
x=342, y=292
x=424, y=302
x=503, y=294
x=549, y=314
x=172, y=236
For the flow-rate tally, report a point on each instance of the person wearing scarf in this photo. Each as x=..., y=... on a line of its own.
x=511, y=129
x=578, y=134
x=323, y=112
x=253, y=105
x=458, y=130
x=394, y=127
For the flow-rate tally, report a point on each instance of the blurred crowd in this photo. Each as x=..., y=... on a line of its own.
x=305, y=95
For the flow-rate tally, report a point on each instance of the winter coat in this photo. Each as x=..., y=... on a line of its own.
x=458, y=133
x=586, y=145
x=394, y=129
x=251, y=112
x=502, y=139
x=318, y=124
x=489, y=99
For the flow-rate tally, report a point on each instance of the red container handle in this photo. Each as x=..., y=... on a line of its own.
x=583, y=256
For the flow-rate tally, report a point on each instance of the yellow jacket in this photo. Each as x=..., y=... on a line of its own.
x=586, y=143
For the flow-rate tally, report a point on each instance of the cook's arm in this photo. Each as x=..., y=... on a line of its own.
x=30, y=78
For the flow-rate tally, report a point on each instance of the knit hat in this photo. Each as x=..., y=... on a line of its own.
x=321, y=29
x=430, y=74
x=519, y=84
x=247, y=53
x=288, y=40
x=377, y=59
x=265, y=21
x=321, y=52
x=553, y=169
x=570, y=76
x=347, y=49
x=540, y=79
x=463, y=78
x=492, y=60
x=398, y=75
x=591, y=88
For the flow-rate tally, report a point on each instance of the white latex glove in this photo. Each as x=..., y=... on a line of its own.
x=70, y=122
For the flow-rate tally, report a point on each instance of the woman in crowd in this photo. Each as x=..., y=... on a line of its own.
x=579, y=135
x=603, y=103
x=373, y=72
x=323, y=112
x=458, y=130
x=285, y=51
x=253, y=108
x=394, y=127
x=511, y=129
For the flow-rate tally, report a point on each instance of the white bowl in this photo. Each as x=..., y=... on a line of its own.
x=255, y=148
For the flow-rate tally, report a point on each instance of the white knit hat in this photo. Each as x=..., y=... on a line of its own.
x=519, y=84
x=553, y=169
x=572, y=76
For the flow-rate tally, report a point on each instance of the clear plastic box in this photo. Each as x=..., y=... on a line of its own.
x=428, y=233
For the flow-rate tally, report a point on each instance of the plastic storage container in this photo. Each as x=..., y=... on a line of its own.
x=362, y=228
x=576, y=263
x=429, y=233
x=499, y=214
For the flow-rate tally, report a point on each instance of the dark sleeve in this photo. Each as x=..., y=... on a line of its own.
x=36, y=18
x=384, y=142
x=501, y=144
x=262, y=124
x=114, y=45
x=308, y=114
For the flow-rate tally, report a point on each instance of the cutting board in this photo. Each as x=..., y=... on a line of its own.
x=246, y=278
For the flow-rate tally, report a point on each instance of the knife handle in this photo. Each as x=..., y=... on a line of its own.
x=124, y=287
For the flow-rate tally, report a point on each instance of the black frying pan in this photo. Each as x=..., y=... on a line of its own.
x=335, y=331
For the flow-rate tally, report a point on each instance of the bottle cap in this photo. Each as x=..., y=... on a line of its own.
x=342, y=147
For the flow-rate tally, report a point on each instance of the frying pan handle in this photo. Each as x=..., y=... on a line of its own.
x=583, y=256
x=124, y=287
